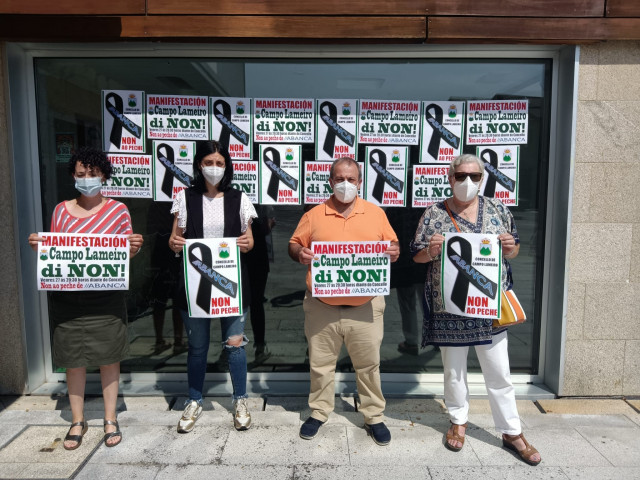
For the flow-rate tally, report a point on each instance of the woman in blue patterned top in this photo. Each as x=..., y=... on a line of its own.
x=453, y=333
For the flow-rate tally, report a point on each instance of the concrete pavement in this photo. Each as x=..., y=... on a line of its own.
x=577, y=438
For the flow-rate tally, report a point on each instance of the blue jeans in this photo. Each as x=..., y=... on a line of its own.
x=198, y=330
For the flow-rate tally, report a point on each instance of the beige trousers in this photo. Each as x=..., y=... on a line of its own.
x=361, y=329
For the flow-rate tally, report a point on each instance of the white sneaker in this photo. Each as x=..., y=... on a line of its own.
x=242, y=417
x=191, y=413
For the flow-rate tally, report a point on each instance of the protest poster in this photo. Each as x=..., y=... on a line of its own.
x=231, y=124
x=336, y=127
x=470, y=274
x=130, y=176
x=123, y=121
x=430, y=185
x=389, y=122
x=280, y=167
x=82, y=261
x=350, y=269
x=283, y=120
x=175, y=117
x=172, y=168
x=501, y=167
x=385, y=175
x=497, y=122
x=316, y=182
x=212, y=277
x=245, y=178
x=441, y=137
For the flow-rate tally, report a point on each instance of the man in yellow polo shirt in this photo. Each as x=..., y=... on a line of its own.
x=356, y=321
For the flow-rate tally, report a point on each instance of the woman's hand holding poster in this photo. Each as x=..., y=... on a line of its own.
x=471, y=272
x=212, y=277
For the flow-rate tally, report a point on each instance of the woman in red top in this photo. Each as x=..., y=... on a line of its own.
x=90, y=328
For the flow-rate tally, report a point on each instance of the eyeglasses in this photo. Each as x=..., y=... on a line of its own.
x=462, y=176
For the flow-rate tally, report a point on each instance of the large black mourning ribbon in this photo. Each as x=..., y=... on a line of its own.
x=383, y=175
x=271, y=158
x=209, y=277
x=439, y=131
x=329, y=115
x=467, y=275
x=495, y=175
x=222, y=111
x=116, y=110
x=171, y=170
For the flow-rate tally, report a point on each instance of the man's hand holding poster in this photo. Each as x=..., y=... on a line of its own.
x=471, y=272
x=82, y=262
x=350, y=269
x=212, y=277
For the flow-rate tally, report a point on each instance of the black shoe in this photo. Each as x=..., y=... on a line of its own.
x=404, y=347
x=309, y=428
x=379, y=433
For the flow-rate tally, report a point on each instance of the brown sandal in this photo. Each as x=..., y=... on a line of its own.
x=526, y=453
x=455, y=436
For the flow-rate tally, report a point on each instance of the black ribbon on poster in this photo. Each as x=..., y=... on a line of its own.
x=209, y=277
x=439, y=131
x=222, y=111
x=272, y=161
x=495, y=175
x=116, y=110
x=329, y=115
x=171, y=170
x=467, y=275
x=383, y=175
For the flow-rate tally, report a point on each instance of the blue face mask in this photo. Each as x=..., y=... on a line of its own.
x=89, y=186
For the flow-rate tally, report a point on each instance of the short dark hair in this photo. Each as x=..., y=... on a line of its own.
x=204, y=148
x=93, y=158
x=343, y=160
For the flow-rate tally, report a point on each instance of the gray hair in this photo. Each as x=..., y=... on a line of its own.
x=343, y=160
x=465, y=158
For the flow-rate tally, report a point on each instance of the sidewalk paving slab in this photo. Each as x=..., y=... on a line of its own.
x=586, y=406
x=162, y=445
x=97, y=471
x=502, y=473
x=282, y=446
x=215, y=472
x=38, y=450
x=402, y=469
x=620, y=446
x=602, y=473
x=574, y=420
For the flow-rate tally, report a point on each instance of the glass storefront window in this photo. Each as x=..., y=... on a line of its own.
x=68, y=93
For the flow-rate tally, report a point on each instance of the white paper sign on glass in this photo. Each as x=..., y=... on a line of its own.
x=131, y=176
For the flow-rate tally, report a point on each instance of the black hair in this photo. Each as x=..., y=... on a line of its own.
x=92, y=158
x=204, y=148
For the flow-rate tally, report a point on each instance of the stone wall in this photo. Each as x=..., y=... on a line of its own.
x=12, y=364
x=602, y=351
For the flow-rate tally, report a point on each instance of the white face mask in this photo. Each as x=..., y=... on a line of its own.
x=465, y=191
x=345, y=191
x=89, y=186
x=213, y=175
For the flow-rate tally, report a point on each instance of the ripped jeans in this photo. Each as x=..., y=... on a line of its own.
x=198, y=334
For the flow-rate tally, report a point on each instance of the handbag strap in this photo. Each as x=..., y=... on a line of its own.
x=455, y=224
